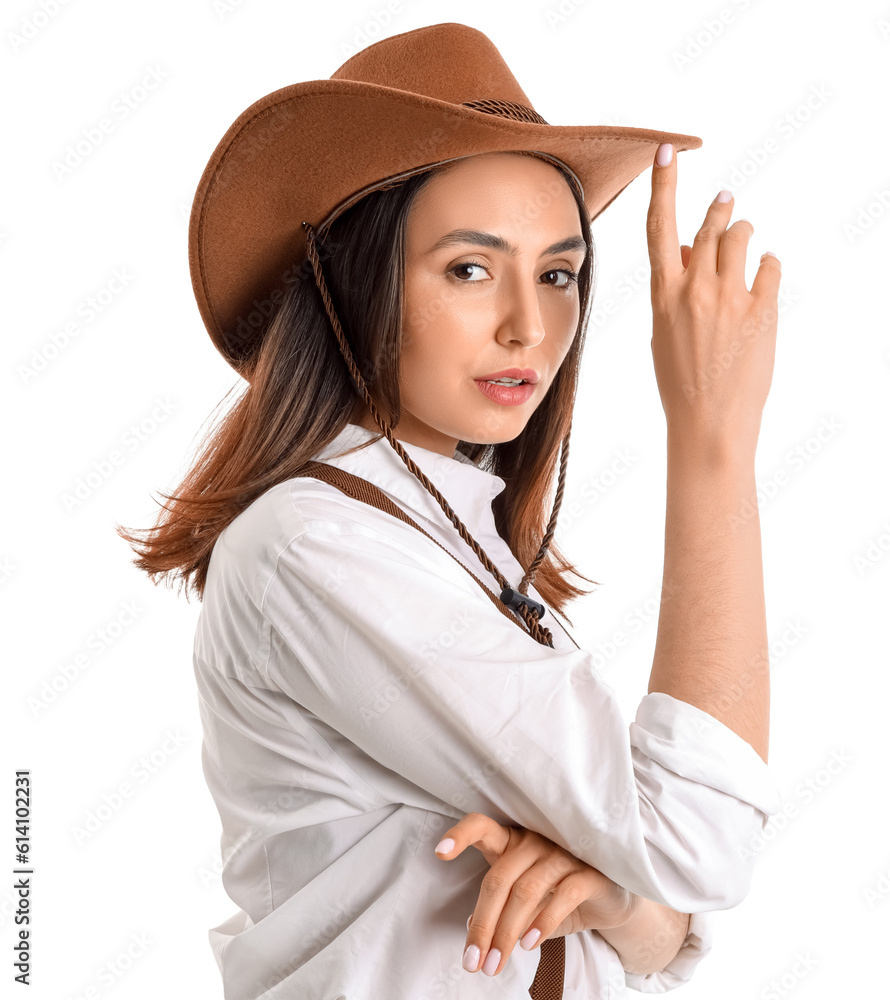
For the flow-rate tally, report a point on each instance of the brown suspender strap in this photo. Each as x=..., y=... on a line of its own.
x=361, y=489
x=548, y=981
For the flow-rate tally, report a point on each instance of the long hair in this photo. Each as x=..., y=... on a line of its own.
x=301, y=395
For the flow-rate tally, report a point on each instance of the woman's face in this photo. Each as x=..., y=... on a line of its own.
x=492, y=242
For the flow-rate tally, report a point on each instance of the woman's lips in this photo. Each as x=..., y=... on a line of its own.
x=506, y=395
x=527, y=374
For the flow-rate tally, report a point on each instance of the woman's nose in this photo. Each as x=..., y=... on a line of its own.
x=521, y=318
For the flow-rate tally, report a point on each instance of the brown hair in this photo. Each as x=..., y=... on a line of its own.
x=301, y=395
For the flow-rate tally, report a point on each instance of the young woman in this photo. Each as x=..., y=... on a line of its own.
x=383, y=686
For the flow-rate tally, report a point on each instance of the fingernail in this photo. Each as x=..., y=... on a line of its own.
x=530, y=939
x=664, y=154
x=471, y=958
x=724, y=196
x=491, y=962
x=769, y=253
x=445, y=846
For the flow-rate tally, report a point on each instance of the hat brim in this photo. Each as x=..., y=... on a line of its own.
x=298, y=153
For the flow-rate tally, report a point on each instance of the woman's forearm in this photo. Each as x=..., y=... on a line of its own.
x=650, y=938
x=712, y=649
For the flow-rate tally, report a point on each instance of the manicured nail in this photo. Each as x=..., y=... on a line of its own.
x=664, y=154
x=471, y=958
x=445, y=846
x=769, y=253
x=724, y=196
x=491, y=962
x=530, y=939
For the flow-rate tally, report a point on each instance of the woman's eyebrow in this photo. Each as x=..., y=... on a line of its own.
x=476, y=237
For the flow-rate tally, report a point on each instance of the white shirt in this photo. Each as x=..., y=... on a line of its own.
x=359, y=694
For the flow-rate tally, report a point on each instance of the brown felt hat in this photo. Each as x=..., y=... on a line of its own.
x=307, y=152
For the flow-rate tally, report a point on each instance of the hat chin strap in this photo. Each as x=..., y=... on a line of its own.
x=529, y=609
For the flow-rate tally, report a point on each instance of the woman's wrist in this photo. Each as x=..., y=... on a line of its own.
x=689, y=441
x=650, y=938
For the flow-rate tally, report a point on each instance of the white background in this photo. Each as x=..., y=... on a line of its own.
x=819, y=198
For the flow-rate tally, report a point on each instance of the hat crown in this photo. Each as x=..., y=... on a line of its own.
x=449, y=62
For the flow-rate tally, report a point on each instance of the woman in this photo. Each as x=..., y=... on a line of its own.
x=368, y=714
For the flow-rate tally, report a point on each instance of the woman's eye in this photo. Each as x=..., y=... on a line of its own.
x=569, y=276
x=461, y=267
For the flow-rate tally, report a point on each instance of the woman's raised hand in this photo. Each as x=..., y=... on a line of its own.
x=713, y=341
x=532, y=884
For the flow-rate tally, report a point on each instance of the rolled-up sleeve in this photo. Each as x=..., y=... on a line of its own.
x=390, y=644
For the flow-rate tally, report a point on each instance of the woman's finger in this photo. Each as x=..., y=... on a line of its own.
x=766, y=282
x=733, y=251
x=703, y=259
x=540, y=900
x=661, y=220
x=562, y=903
x=476, y=830
x=552, y=885
x=510, y=895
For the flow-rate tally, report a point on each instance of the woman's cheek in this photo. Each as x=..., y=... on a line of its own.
x=424, y=303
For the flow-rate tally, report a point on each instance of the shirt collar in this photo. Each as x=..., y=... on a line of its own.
x=467, y=488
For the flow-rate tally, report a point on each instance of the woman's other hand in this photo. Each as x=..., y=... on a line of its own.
x=713, y=341
x=531, y=885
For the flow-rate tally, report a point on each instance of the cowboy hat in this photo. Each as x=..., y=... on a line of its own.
x=307, y=152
